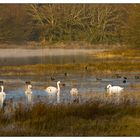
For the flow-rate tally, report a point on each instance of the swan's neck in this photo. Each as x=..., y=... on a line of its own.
x=29, y=88
x=58, y=87
x=2, y=88
x=58, y=96
x=58, y=93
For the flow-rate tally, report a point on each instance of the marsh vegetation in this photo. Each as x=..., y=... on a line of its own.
x=89, y=119
x=85, y=46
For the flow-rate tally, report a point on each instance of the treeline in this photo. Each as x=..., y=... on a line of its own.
x=93, y=23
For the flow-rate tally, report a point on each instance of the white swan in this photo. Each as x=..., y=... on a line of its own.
x=74, y=95
x=2, y=96
x=53, y=91
x=74, y=92
x=114, y=89
x=28, y=92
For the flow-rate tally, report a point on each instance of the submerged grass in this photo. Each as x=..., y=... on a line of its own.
x=98, y=66
x=124, y=53
x=89, y=119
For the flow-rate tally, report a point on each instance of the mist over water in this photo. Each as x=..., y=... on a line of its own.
x=85, y=83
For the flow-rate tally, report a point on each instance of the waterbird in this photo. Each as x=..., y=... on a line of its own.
x=65, y=74
x=74, y=95
x=28, y=92
x=54, y=91
x=118, y=76
x=86, y=67
x=98, y=79
x=63, y=84
x=2, y=95
x=124, y=79
x=52, y=78
x=74, y=92
x=137, y=77
x=114, y=89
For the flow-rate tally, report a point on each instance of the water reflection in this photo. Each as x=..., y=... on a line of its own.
x=45, y=60
x=85, y=85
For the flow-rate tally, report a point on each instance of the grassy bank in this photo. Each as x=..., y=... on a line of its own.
x=102, y=67
x=58, y=45
x=118, y=52
x=91, y=119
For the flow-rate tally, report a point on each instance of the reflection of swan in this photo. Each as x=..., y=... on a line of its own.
x=28, y=92
x=114, y=89
x=53, y=91
x=2, y=96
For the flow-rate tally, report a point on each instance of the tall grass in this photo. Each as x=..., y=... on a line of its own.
x=88, y=119
x=99, y=66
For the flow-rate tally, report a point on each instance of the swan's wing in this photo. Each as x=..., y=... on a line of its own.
x=116, y=89
x=74, y=91
x=51, y=90
x=121, y=89
x=1, y=95
x=27, y=92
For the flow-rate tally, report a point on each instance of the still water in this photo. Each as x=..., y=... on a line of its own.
x=85, y=84
x=14, y=86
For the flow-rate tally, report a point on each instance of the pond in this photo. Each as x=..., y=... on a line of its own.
x=45, y=56
x=85, y=83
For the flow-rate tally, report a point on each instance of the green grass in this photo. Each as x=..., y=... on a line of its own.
x=89, y=119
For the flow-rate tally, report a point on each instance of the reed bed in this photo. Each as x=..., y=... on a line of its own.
x=91, y=118
x=101, y=66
